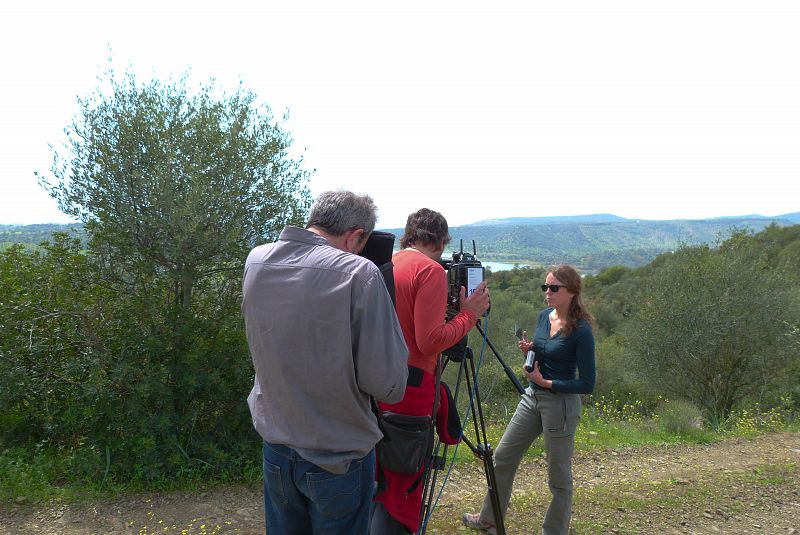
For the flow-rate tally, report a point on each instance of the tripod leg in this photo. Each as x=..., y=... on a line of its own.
x=491, y=485
x=431, y=476
x=435, y=462
x=484, y=449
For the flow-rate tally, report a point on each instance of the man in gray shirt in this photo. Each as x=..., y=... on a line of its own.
x=324, y=337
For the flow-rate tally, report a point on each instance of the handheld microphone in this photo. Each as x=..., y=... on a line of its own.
x=531, y=354
x=529, y=361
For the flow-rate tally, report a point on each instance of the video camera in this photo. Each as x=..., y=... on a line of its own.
x=464, y=270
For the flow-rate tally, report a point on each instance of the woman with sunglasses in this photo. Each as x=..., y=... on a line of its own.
x=563, y=369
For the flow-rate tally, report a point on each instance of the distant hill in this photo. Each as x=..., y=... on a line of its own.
x=593, y=242
x=794, y=217
x=547, y=220
x=35, y=234
x=610, y=218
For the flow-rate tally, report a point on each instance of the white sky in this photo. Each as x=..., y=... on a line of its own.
x=655, y=109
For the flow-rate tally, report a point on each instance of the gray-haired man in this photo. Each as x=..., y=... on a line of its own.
x=324, y=337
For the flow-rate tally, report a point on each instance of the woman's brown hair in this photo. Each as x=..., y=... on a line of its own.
x=569, y=277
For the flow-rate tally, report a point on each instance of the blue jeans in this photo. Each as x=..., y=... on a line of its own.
x=302, y=498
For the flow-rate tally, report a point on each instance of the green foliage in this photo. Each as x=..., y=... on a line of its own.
x=699, y=331
x=617, y=378
x=52, y=310
x=129, y=351
x=612, y=294
x=679, y=417
x=752, y=419
x=86, y=369
x=176, y=183
x=620, y=408
x=30, y=474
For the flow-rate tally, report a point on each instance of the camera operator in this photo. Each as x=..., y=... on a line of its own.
x=324, y=337
x=421, y=293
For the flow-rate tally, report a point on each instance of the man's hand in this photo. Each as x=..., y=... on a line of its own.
x=478, y=302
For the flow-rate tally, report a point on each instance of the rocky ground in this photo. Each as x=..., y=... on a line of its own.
x=735, y=486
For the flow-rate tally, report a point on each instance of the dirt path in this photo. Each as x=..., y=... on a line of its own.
x=735, y=486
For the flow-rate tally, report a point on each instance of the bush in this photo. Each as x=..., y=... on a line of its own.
x=679, y=417
x=94, y=371
x=617, y=381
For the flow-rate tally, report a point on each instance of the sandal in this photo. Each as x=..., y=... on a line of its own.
x=473, y=520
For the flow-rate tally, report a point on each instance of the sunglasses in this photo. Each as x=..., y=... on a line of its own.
x=552, y=287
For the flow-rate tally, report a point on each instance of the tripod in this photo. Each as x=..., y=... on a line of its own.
x=463, y=355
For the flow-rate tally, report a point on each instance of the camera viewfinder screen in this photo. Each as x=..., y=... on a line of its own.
x=474, y=278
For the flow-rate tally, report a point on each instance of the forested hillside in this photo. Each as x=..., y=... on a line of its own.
x=591, y=242
x=35, y=234
x=593, y=246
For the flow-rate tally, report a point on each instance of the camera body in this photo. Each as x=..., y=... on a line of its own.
x=464, y=270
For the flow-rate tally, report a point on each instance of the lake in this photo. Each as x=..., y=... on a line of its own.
x=501, y=266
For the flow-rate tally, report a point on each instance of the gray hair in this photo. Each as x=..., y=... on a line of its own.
x=338, y=211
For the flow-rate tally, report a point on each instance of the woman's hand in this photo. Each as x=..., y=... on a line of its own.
x=525, y=345
x=536, y=376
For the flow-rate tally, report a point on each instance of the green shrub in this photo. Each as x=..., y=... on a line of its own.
x=618, y=385
x=679, y=417
x=100, y=373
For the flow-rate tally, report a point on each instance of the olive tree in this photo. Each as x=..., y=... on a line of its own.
x=709, y=326
x=177, y=182
x=174, y=185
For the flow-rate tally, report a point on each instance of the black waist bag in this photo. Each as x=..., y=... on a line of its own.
x=407, y=442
